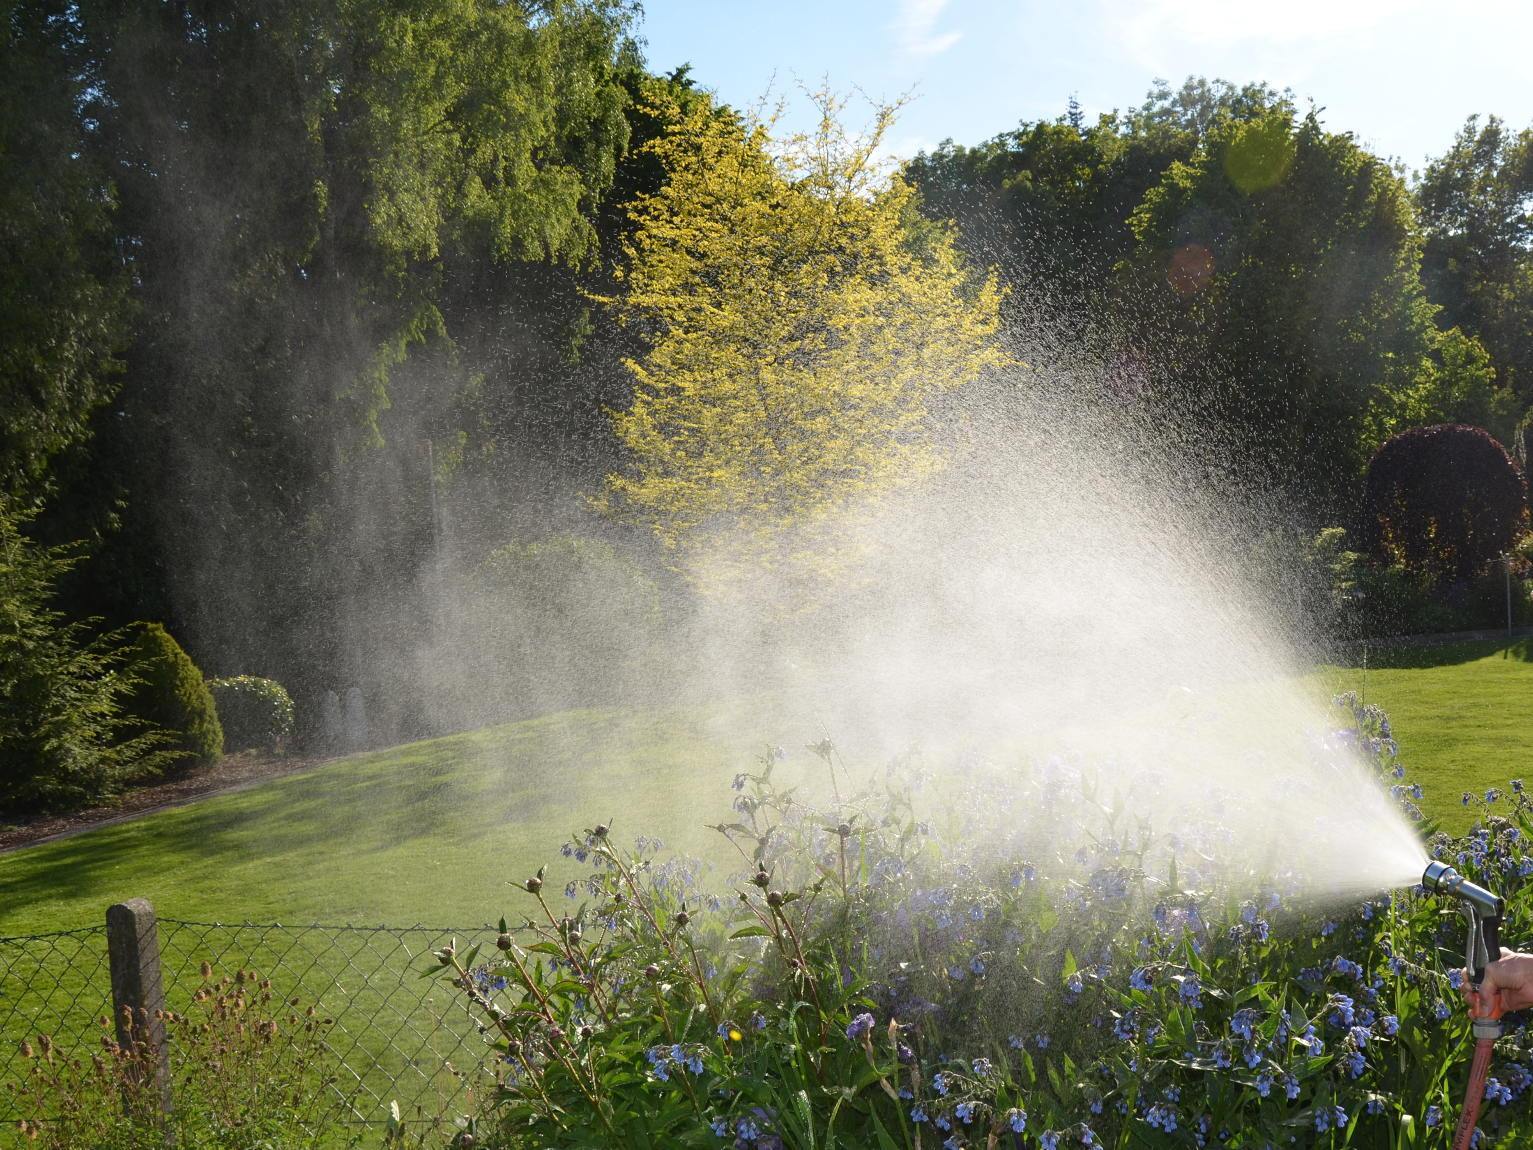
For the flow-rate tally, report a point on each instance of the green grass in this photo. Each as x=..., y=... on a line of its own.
x=1462, y=714
x=428, y=832
x=431, y=832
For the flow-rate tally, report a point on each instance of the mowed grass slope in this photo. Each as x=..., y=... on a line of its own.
x=427, y=833
x=1462, y=714
x=431, y=832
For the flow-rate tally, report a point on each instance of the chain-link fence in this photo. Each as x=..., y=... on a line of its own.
x=392, y=1036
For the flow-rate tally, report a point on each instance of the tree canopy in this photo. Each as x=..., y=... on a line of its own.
x=797, y=318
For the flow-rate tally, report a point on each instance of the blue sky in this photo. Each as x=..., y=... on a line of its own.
x=1400, y=74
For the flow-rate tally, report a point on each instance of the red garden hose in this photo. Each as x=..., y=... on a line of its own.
x=1474, y=1093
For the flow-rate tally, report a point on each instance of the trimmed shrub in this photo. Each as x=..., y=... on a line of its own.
x=172, y=696
x=253, y=712
x=65, y=737
x=1445, y=501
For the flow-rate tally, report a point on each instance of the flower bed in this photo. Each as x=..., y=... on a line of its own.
x=1031, y=965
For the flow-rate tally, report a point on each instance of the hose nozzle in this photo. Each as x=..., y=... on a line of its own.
x=1482, y=908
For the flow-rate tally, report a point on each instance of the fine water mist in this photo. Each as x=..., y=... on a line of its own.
x=1068, y=590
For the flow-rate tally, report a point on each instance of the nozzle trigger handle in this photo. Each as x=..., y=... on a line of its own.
x=1490, y=932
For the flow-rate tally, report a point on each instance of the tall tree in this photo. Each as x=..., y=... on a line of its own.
x=798, y=317
x=61, y=285
x=299, y=181
x=1477, y=208
x=1282, y=265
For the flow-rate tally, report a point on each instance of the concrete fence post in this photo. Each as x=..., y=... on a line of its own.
x=138, y=994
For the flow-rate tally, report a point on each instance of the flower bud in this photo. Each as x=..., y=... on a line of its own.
x=844, y=830
x=681, y=919
x=600, y=831
x=761, y=878
x=651, y=971
x=774, y=899
x=533, y=885
x=502, y=941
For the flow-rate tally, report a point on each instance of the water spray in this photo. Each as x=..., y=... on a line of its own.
x=1483, y=909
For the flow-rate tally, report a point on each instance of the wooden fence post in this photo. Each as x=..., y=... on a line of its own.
x=138, y=995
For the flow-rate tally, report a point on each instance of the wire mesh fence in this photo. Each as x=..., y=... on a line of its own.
x=393, y=1036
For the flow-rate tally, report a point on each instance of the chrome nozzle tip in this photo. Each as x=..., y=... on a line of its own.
x=1437, y=876
x=1441, y=877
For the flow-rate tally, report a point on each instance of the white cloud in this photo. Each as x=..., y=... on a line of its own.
x=915, y=28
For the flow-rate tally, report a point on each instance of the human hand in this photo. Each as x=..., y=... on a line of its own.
x=1510, y=976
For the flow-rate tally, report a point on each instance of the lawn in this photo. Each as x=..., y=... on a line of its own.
x=1462, y=714
x=428, y=832
x=431, y=832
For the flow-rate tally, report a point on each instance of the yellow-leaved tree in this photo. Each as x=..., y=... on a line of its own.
x=797, y=317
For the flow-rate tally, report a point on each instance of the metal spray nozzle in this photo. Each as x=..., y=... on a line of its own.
x=1481, y=907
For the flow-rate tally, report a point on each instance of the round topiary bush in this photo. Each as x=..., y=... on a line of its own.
x=253, y=712
x=172, y=695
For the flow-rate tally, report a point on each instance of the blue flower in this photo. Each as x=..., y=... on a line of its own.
x=1355, y=1064
x=1290, y=1086
x=1048, y=1140
x=1264, y=1083
x=1342, y=1013
x=1434, y=1116
x=860, y=1026
x=659, y=1057
x=1140, y=979
x=964, y=1112
x=917, y=1114
x=1016, y=1120
x=720, y=1127
x=1161, y=1118
x=1015, y=1042
x=939, y=1084
x=1242, y=1022
x=1041, y=1041
x=952, y=1143
x=977, y=964
x=1496, y=1092
x=1190, y=990
x=983, y=1067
